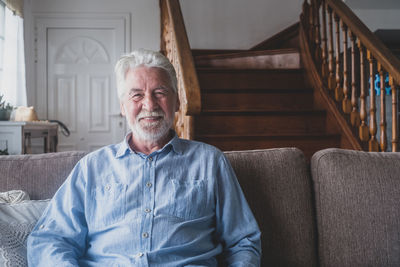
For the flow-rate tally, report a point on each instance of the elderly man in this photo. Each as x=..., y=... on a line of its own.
x=152, y=200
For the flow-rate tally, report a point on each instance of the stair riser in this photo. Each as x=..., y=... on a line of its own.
x=276, y=61
x=243, y=80
x=308, y=146
x=271, y=124
x=256, y=101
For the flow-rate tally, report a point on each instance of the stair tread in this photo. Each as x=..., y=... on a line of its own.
x=233, y=112
x=271, y=135
x=260, y=90
x=280, y=70
x=248, y=53
x=200, y=52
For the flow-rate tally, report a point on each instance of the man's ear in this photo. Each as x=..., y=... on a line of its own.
x=122, y=108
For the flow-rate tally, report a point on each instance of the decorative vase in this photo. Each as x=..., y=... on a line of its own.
x=5, y=114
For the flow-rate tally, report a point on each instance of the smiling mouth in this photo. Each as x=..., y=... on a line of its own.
x=150, y=120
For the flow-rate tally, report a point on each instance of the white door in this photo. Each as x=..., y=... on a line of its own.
x=80, y=83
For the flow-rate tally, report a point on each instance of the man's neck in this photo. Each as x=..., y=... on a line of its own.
x=147, y=147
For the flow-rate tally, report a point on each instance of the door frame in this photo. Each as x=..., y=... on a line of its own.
x=120, y=22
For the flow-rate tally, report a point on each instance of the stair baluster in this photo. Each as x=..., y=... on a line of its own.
x=325, y=68
x=363, y=129
x=395, y=117
x=373, y=143
x=318, y=52
x=355, y=115
x=346, y=104
x=382, y=134
x=338, y=89
x=331, y=79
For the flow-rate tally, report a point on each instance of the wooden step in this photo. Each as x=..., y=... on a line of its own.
x=212, y=78
x=309, y=144
x=267, y=59
x=203, y=52
x=256, y=99
x=260, y=122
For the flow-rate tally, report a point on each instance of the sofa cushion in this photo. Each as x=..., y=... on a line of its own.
x=39, y=175
x=358, y=207
x=16, y=222
x=277, y=185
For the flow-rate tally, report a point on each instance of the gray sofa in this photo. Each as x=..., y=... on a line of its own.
x=342, y=209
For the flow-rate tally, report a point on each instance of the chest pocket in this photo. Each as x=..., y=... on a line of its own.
x=188, y=198
x=109, y=206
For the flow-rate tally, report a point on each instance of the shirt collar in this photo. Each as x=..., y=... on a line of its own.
x=175, y=143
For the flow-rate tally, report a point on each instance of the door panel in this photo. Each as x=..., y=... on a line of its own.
x=81, y=86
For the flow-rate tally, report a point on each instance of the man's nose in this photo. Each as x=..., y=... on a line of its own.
x=149, y=103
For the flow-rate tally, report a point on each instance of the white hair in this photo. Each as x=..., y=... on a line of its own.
x=142, y=57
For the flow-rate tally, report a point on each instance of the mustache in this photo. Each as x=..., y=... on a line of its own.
x=145, y=113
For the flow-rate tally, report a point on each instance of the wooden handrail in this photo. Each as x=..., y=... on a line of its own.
x=381, y=53
x=175, y=45
x=347, y=78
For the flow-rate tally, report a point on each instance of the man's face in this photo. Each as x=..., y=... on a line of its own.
x=149, y=103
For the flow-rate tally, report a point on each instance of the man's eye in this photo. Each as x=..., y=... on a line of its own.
x=135, y=96
x=160, y=93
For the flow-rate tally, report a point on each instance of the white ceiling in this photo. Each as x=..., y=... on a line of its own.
x=373, y=4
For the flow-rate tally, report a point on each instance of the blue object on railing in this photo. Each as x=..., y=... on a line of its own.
x=377, y=86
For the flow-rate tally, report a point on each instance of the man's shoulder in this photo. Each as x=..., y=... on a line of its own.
x=198, y=147
x=109, y=151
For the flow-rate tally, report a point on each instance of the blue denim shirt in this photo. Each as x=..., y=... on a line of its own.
x=179, y=206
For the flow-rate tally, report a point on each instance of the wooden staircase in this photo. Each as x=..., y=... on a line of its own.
x=263, y=97
x=258, y=99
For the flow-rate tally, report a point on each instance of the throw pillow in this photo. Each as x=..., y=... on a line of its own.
x=13, y=196
x=16, y=222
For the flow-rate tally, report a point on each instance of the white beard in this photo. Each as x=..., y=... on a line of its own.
x=152, y=131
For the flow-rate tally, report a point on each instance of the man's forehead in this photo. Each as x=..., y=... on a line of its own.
x=148, y=71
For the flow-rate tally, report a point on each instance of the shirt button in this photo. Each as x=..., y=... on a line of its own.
x=150, y=159
x=149, y=184
x=140, y=254
x=41, y=226
x=108, y=187
x=145, y=235
x=147, y=210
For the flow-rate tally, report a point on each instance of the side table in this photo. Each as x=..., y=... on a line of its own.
x=16, y=136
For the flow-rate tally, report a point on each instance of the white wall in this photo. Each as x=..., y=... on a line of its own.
x=379, y=18
x=382, y=14
x=236, y=24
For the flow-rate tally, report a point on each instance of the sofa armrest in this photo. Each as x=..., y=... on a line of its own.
x=357, y=203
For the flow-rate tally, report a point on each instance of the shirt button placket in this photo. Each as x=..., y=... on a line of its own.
x=148, y=203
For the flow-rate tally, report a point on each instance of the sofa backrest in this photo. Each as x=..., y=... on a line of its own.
x=276, y=183
x=40, y=175
x=357, y=197
x=277, y=186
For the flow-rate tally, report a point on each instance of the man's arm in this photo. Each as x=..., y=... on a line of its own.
x=59, y=236
x=237, y=228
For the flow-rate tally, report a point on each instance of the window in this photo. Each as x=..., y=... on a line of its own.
x=12, y=56
x=2, y=28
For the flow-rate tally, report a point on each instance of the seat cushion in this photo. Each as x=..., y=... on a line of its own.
x=358, y=207
x=277, y=185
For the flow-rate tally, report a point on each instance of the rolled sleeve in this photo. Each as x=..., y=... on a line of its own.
x=237, y=228
x=58, y=239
